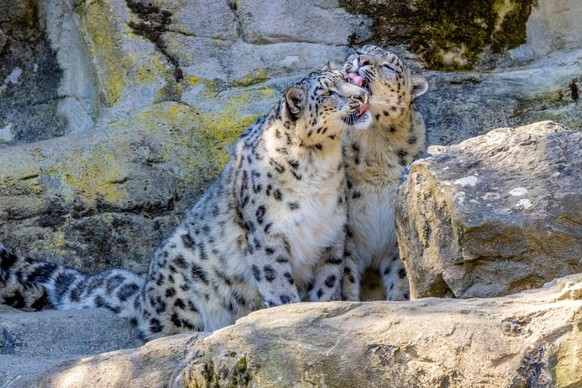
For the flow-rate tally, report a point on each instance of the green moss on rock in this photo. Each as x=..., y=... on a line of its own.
x=225, y=125
x=151, y=72
x=446, y=34
x=93, y=176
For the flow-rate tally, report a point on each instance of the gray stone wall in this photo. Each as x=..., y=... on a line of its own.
x=115, y=114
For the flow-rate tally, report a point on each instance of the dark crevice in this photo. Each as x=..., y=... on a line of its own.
x=53, y=217
x=233, y=5
x=153, y=22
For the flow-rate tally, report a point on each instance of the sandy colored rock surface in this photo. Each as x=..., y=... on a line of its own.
x=528, y=339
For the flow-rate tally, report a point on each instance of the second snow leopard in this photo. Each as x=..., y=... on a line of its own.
x=270, y=227
x=375, y=159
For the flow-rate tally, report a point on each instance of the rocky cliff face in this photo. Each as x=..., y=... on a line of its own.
x=139, y=99
x=147, y=95
x=116, y=114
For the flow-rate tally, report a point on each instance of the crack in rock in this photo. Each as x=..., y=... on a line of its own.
x=154, y=21
x=233, y=5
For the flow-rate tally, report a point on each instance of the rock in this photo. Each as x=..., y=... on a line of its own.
x=214, y=19
x=107, y=198
x=448, y=36
x=77, y=95
x=552, y=25
x=279, y=21
x=475, y=35
x=462, y=105
x=493, y=215
x=29, y=75
x=34, y=342
x=527, y=339
x=93, y=69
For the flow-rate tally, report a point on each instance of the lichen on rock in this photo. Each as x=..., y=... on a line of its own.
x=100, y=27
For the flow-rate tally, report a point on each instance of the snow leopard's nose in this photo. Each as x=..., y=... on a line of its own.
x=360, y=94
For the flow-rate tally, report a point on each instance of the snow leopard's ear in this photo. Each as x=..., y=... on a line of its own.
x=329, y=66
x=295, y=99
x=419, y=86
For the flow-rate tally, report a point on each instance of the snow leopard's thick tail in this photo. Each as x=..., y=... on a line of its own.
x=15, y=289
x=30, y=284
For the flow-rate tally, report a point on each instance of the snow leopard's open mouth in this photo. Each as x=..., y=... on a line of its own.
x=355, y=119
x=356, y=79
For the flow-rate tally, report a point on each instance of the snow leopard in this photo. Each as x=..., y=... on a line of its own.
x=269, y=231
x=375, y=159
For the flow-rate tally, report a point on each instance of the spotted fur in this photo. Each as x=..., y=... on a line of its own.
x=375, y=159
x=269, y=231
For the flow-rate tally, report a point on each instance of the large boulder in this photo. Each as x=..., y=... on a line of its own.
x=529, y=339
x=493, y=215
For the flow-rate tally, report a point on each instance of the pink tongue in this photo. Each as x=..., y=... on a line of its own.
x=362, y=109
x=358, y=79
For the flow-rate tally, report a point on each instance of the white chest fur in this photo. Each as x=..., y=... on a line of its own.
x=372, y=221
x=317, y=221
